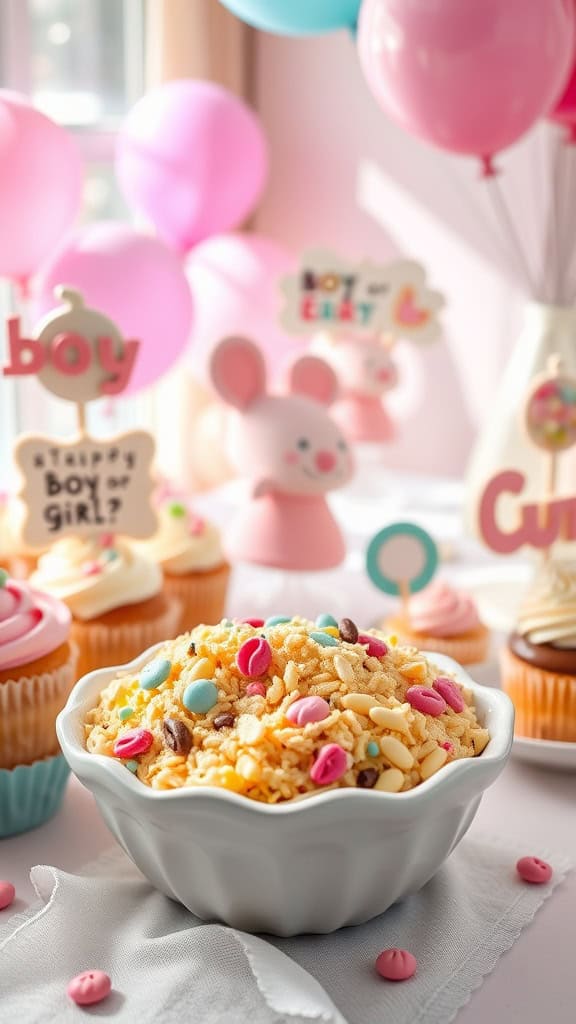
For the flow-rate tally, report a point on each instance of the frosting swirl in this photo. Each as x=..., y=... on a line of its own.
x=183, y=542
x=31, y=624
x=95, y=576
x=442, y=611
x=548, y=613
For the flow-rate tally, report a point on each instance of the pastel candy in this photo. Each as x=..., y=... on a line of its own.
x=277, y=620
x=330, y=765
x=200, y=696
x=534, y=870
x=372, y=749
x=155, y=673
x=376, y=648
x=256, y=623
x=396, y=964
x=426, y=700
x=133, y=742
x=254, y=657
x=308, y=709
x=324, y=639
x=89, y=987
x=449, y=691
x=125, y=713
x=326, y=620
x=256, y=690
x=7, y=894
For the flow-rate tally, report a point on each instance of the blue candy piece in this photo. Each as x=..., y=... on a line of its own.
x=227, y=623
x=200, y=696
x=125, y=713
x=324, y=639
x=132, y=766
x=109, y=555
x=155, y=673
x=372, y=749
x=326, y=620
x=277, y=620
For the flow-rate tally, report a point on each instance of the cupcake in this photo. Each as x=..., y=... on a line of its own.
x=282, y=710
x=115, y=595
x=539, y=661
x=445, y=620
x=187, y=549
x=37, y=672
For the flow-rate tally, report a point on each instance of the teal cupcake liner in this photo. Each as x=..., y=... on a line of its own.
x=30, y=794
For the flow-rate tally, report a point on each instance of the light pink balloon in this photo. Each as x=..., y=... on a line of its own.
x=137, y=281
x=471, y=76
x=40, y=186
x=192, y=157
x=235, y=285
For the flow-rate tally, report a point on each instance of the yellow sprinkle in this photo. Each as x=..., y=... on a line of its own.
x=331, y=630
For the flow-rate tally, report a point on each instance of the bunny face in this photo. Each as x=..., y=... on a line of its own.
x=363, y=366
x=284, y=443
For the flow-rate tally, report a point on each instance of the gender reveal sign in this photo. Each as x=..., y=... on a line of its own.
x=86, y=487
x=341, y=297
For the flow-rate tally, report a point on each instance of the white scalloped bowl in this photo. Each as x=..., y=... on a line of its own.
x=312, y=865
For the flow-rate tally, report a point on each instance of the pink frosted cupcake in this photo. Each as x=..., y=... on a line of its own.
x=443, y=619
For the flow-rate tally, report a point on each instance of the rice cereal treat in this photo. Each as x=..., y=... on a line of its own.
x=282, y=709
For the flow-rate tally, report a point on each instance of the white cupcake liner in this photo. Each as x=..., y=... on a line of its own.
x=28, y=709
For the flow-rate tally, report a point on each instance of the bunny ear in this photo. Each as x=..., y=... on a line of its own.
x=238, y=372
x=314, y=378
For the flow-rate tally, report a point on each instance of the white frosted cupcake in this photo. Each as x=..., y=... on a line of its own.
x=115, y=595
x=188, y=551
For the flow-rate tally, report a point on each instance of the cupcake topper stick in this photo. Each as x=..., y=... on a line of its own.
x=401, y=560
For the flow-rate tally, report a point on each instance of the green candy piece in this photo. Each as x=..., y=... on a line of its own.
x=125, y=713
x=324, y=639
x=3, y=578
x=372, y=749
x=277, y=620
x=132, y=766
x=178, y=510
x=326, y=620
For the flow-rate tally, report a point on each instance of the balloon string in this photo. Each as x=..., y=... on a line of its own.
x=506, y=223
x=554, y=254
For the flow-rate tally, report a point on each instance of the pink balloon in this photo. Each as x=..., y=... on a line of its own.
x=564, y=110
x=40, y=186
x=192, y=157
x=137, y=281
x=471, y=76
x=235, y=285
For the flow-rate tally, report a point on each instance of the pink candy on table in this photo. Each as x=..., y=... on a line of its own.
x=330, y=765
x=449, y=691
x=256, y=690
x=133, y=742
x=534, y=870
x=308, y=709
x=396, y=964
x=426, y=700
x=7, y=894
x=376, y=648
x=254, y=657
x=89, y=987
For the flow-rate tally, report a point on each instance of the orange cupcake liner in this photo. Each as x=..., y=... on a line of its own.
x=28, y=709
x=201, y=594
x=545, y=702
x=103, y=645
x=466, y=650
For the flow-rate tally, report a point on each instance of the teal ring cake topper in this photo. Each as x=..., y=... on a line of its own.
x=401, y=557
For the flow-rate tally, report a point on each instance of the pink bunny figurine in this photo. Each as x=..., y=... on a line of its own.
x=365, y=371
x=291, y=451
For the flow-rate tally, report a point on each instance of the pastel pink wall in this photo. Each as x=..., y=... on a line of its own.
x=345, y=176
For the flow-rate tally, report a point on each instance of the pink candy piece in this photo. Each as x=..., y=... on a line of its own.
x=7, y=894
x=256, y=690
x=89, y=987
x=107, y=540
x=449, y=691
x=256, y=623
x=254, y=657
x=376, y=648
x=534, y=870
x=133, y=742
x=331, y=763
x=92, y=569
x=447, y=746
x=308, y=709
x=396, y=964
x=426, y=700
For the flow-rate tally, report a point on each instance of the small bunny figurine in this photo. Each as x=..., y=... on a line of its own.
x=366, y=371
x=292, y=453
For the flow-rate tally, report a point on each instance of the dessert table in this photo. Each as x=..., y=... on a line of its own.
x=532, y=982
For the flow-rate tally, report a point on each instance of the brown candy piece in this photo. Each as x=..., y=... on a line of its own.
x=348, y=631
x=224, y=721
x=367, y=778
x=192, y=649
x=178, y=737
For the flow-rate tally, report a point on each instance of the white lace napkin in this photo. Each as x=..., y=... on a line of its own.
x=169, y=968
